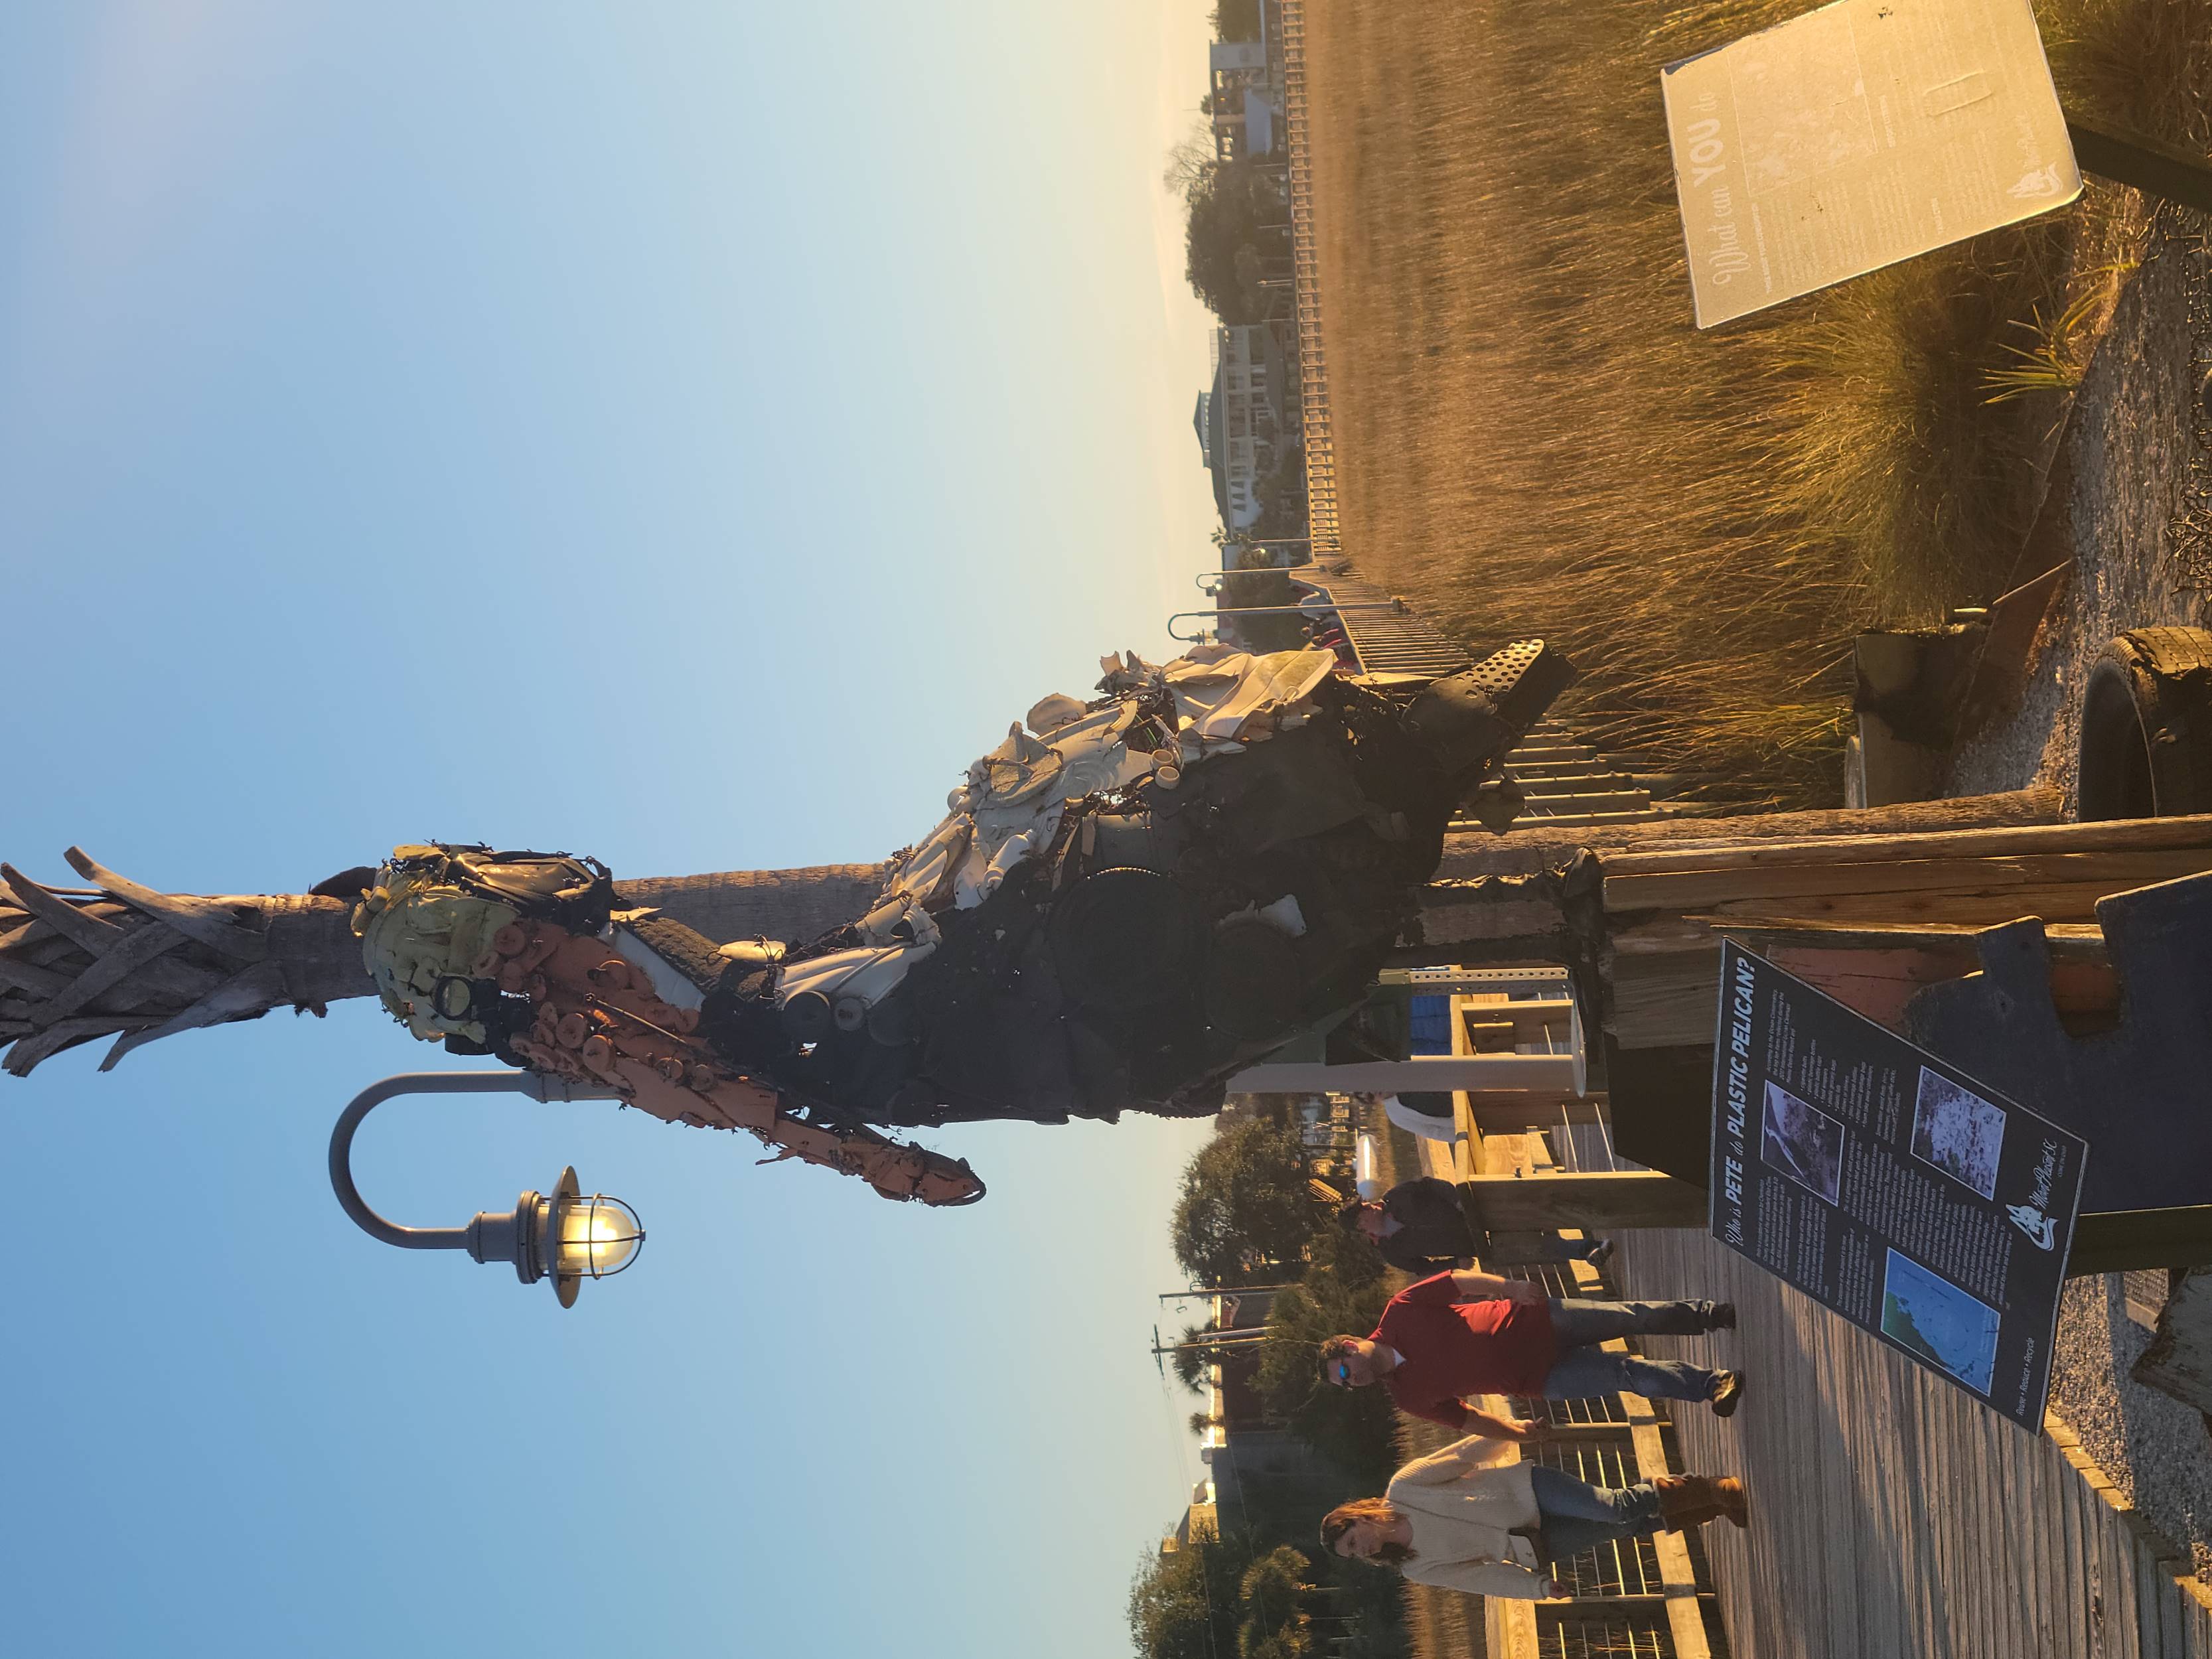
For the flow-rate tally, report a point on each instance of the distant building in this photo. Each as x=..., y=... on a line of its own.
x=1201, y=1522
x=1246, y=99
x=1242, y=419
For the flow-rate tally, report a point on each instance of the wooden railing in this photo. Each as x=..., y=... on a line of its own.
x=1566, y=783
x=1321, y=516
x=1644, y=1596
x=1650, y=1598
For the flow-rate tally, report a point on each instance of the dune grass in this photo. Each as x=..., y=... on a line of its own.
x=1533, y=438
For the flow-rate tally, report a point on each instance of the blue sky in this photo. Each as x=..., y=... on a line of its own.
x=686, y=433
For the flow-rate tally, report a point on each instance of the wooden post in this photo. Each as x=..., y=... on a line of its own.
x=2179, y=1361
x=2155, y=168
x=1422, y=1074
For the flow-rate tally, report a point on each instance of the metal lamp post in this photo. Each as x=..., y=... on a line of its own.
x=562, y=1235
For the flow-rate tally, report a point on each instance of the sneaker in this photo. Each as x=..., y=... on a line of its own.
x=1722, y=1318
x=1600, y=1254
x=1727, y=1393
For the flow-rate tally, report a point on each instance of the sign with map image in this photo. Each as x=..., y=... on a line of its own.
x=1890, y=1186
x=1939, y=1322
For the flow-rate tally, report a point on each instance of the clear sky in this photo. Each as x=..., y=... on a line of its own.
x=686, y=433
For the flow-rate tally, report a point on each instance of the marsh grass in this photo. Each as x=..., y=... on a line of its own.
x=1534, y=439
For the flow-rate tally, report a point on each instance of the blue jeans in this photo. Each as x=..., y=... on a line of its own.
x=1578, y=1516
x=1584, y=1369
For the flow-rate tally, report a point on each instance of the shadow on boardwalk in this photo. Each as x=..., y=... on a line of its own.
x=1892, y=1513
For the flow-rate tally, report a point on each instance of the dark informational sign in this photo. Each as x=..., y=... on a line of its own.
x=1890, y=1186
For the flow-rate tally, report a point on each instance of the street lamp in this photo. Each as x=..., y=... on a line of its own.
x=1313, y=609
x=562, y=1235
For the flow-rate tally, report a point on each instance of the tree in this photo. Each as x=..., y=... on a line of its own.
x=1244, y=1203
x=1341, y=1292
x=1210, y=1597
x=1237, y=20
x=1233, y=209
x=1191, y=163
x=1258, y=584
x=1270, y=1590
x=1190, y=1360
x=1184, y=1602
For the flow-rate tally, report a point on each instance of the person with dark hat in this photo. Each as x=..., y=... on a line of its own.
x=1421, y=1227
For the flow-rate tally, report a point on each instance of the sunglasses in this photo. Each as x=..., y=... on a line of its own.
x=1343, y=1373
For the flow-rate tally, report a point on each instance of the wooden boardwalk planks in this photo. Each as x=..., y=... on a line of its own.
x=1891, y=1512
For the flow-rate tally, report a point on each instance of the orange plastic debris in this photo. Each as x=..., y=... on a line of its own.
x=599, y=1021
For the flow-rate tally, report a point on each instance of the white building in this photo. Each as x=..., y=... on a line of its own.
x=1239, y=420
x=1246, y=99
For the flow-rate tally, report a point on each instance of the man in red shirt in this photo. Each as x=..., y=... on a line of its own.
x=1460, y=1334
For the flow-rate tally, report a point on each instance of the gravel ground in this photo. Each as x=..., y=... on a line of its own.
x=2130, y=441
x=2132, y=452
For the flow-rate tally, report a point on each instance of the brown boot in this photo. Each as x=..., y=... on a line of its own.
x=1691, y=1500
x=1728, y=1491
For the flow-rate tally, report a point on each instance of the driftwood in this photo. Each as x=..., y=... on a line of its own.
x=2179, y=1361
x=121, y=960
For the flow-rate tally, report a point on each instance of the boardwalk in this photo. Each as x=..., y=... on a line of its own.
x=1891, y=1514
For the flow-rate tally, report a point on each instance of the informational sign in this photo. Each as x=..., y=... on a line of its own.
x=1856, y=136
x=1890, y=1186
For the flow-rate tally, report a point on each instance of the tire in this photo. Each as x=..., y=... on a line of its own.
x=2145, y=747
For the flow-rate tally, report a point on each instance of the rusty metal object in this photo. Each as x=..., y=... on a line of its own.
x=599, y=1022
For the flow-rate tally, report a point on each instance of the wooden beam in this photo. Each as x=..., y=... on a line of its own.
x=1931, y=880
x=1597, y=1202
x=1520, y=851
x=1439, y=1074
x=2120, y=1241
x=1516, y=1111
x=2112, y=836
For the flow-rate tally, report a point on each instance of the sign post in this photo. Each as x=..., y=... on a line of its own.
x=1889, y=1185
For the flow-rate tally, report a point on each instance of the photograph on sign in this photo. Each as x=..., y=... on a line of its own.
x=1889, y=1185
x=1958, y=1131
x=1803, y=1142
x=1939, y=1322
x=1856, y=136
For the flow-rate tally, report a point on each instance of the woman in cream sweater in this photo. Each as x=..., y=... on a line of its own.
x=1471, y=1518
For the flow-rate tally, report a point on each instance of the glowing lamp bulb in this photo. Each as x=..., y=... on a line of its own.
x=597, y=1236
